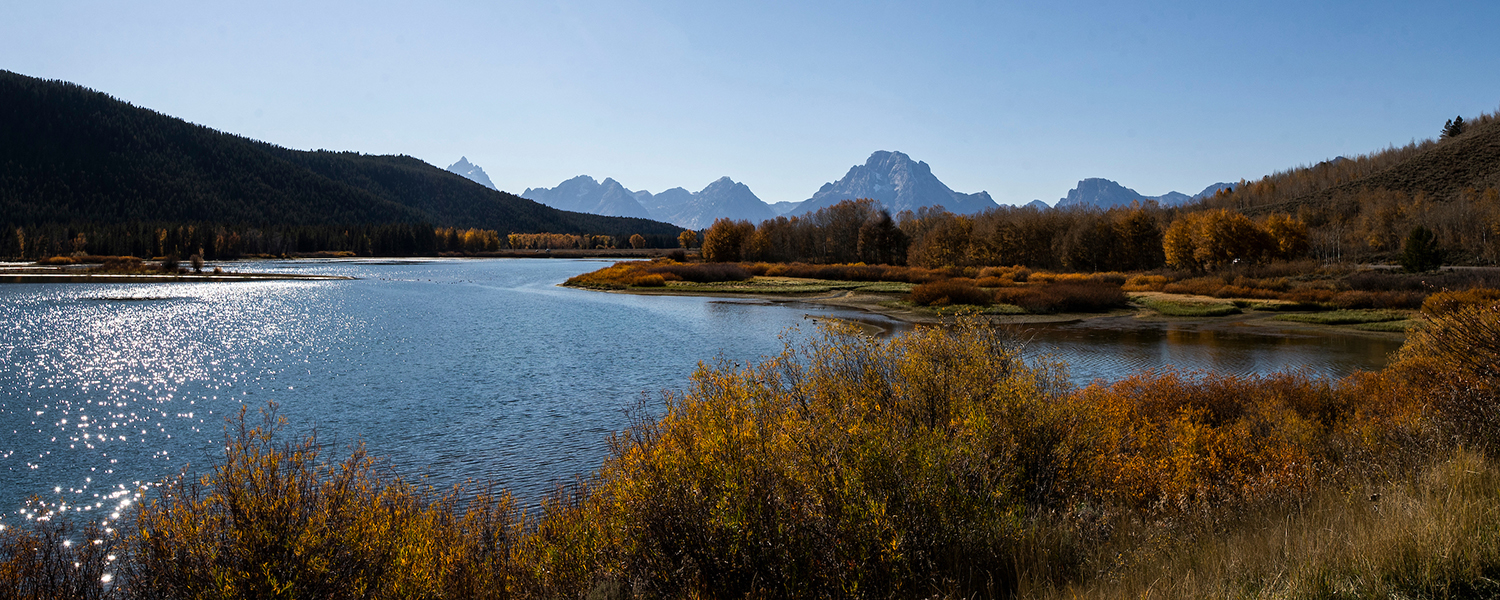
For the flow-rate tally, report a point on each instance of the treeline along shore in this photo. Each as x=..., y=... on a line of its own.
x=939, y=463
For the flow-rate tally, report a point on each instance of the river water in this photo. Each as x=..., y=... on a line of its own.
x=451, y=369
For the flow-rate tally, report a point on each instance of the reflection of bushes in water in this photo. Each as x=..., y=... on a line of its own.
x=934, y=463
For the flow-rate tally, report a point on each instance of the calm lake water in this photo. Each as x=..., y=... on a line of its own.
x=454, y=369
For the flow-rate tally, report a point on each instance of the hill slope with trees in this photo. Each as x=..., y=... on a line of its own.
x=74, y=156
x=1364, y=207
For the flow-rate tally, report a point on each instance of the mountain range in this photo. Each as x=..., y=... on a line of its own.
x=890, y=178
x=71, y=155
x=1103, y=193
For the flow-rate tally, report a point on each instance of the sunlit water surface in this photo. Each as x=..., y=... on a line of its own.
x=451, y=369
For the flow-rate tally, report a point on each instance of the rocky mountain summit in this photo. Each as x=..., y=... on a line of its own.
x=471, y=172
x=898, y=183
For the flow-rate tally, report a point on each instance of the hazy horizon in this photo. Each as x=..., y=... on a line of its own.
x=1019, y=102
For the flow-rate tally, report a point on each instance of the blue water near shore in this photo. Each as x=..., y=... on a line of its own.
x=451, y=369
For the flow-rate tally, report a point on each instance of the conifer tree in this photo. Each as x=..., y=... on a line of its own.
x=1454, y=127
x=1421, y=252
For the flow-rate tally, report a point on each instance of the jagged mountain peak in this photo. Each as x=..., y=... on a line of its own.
x=1098, y=192
x=471, y=172
x=898, y=183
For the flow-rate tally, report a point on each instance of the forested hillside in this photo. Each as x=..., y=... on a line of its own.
x=1364, y=207
x=79, y=159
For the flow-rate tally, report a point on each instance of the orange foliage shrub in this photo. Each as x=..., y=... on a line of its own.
x=1446, y=302
x=1359, y=299
x=1146, y=283
x=950, y=291
x=1017, y=274
x=1073, y=296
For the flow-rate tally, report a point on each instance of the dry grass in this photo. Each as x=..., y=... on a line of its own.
x=1435, y=535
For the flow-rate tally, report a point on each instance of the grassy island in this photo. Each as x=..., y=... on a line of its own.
x=1285, y=294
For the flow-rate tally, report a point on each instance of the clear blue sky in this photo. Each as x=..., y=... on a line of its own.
x=1022, y=100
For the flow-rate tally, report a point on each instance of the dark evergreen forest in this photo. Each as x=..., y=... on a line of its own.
x=77, y=161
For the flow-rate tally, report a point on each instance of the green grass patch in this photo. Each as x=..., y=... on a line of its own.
x=1189, y=309
x=1344, y=317
x=887, y=287
x=1286, y=306
x=1388, y=326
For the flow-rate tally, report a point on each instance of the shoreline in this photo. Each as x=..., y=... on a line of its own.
x=63, y=277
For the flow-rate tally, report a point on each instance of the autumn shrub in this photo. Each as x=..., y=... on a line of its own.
x=854, y=272
x=1388, y=300
x=1074, y=296
x=994, y=282
x=617, y=276
x=51, y=556
x=56, y=261
x=1198, y=286
x=1183, y=443
x=1018, y=273
x=699, y=272
x=1310, y=295
x=846, y=467
x=1145, y=283
x=1452, y=360
x=1445, y=302
x=275, y=519
x=950, y=291
x=651, y=280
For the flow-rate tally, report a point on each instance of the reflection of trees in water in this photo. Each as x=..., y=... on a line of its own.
x=1111, y=353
